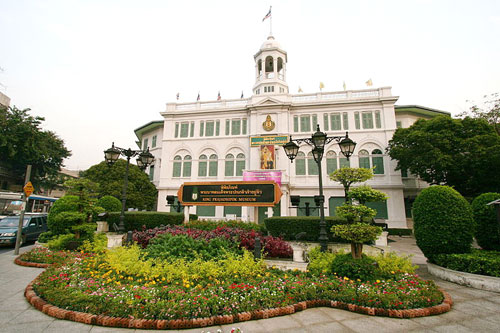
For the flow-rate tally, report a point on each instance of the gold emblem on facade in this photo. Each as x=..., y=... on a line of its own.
x=268, y=125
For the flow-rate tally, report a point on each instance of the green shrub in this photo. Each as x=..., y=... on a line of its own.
x=110, y=203
x=45, y=236
x=169, y=247
x=320, y=262
x=85, y=231
x=136, y=220
x=355, y=213
x=64, y=221
x=344, y=265
x=357, y=232
x=443, y=221
x=389, y=263
x=487, y=227
x=477, y=262
x=288, y=227
x=399, y=232
x=211, y=225
x=63, y=242
x=68, y=203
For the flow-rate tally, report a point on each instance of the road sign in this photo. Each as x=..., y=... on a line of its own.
x=28, y=189
x=237, y=193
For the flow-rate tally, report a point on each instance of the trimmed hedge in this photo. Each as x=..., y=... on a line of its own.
x=136, y=220
x=487, y=228
x=288, y=227
x=399, y=232
x=478, y=262
x=211, y=225
x=443, y=221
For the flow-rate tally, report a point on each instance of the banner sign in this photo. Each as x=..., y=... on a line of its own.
x=262, y=175
x=278, y=140
x=237, y=193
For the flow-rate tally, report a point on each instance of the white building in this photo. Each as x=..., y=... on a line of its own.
x=211, y=140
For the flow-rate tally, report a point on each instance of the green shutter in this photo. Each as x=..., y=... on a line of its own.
x=151, y=172
x=378, y=163
x=205, y=211
x=312, y=166
x=300, y=167
x=202, y=166
x=184, y=130
x=378, y=121
x=398, y=124
x=236, y=127
x=325, y=121
x=244, y=126
x=209, y=128
x=331, y=165
x=295, y=123
x=229, y=165
x=305, y=123
x=217, y=127
x=191, y=133
x=186, y=167
x=333, y=203
x=345, y=119
x=356, y=120
x=153, y=142
x=344, y=163
x=176, y=129
x=228, y=125
x=314, y=121
x=177, y=167
x=364, y=162
x=202, y=127
x=367, y=120
x=380, y=207
x=145, y=145
x=212, y=170
x=335, y=122
x=232, y=210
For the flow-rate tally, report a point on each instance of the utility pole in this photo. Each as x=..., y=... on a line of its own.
x=28, y=189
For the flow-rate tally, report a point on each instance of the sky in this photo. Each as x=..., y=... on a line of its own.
x=98, y=69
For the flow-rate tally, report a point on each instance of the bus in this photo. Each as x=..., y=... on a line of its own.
x=11, y=203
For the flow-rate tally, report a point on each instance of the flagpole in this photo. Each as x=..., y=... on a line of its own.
x=271, y=26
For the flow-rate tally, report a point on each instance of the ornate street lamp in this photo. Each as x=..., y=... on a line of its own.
x=111, y=155
x=318, y=141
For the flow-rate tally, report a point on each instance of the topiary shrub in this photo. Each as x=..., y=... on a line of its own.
x=109, y=203
x=487, y=227
x=344, y=265
x=357, y=234
x=443, y=221
x=64, y=242
x=68, y=203
x=64, y=221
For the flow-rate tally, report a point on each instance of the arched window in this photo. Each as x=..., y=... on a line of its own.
x=364, y=159
x=240, y=164
x=312, y=166
x=344, y=162
x=186, y=166
x=177, y=166
x=213, y=165
x=269, y=64
x=331, y=161
x=378, y=162
x=229, y=165
x=202, y=166
x=300, y=164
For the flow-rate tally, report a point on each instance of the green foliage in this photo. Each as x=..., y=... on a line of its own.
x=68, y=203
x=399, y=232
x=389, y=263
x=456, y=152
x=349, y=176
x=477, y=262
x=443, y=221
x=141, y=193
x=320, y=262
x=365, y=193
x=136, y=220
x=211, y=225
x=487, y=227
x=355, y=213
x=489, y=111
x=168, y=246
x=64, y=221
x=357, y=232
x=109, y=203
x=345, y=265
x=288, y=227
x=62, y=242
x=85, y=231
x=23, y=142
x=81, y=187
x=45, y=236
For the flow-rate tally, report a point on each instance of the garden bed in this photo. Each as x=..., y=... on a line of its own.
x=476, y=281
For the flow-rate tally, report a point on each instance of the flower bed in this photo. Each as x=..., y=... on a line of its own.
x=480, y=262
x=43, y=257
x=123, y=283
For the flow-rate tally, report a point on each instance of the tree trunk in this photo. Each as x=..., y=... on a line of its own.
x=356, y=250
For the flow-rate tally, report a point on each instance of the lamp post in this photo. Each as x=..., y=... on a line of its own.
x=318, y=141
x=111, y=155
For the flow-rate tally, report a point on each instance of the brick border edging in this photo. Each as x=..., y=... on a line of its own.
x=87, y=318
x=20, y=262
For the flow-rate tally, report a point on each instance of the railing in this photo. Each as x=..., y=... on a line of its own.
x=237, y=103
x=341, y=95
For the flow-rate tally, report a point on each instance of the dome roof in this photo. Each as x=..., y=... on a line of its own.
x=270, y=43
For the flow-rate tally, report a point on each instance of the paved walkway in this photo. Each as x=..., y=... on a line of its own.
x=473, y=311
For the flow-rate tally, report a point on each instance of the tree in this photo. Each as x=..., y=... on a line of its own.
x=23, y=142
x=489, y=111
x=141, y=193
x=461, y=153
x=349, y=176
x=365, y=193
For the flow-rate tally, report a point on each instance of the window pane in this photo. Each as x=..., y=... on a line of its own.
x=344, y=163
x=240, y=166
x=217, y=127
x=228, y=125
x=236, y=127
x=202, y=127
x=380, y=207
x=335, y=122
x=229, y=165
x=312, y=166
x=315, y=121
x=153, y=143
x=151, y=172
x=364, y=160
x=191, y=133
x=213, y=165
x=209, y=128
x=232, y=210
x=205, y=210
x=295, y=123
x=378, y=121
x=367, y=120
x=398, y=124
x=300, y=164
x=186, y=167
x=184, y=130
x=331, y=164
x=145, y=145
x=202, y=168
x=325, y=122
x=176, y=129
x=177, y=169
x=356, y=120
x=345, y=119
x=244, y=126
x=305, y=123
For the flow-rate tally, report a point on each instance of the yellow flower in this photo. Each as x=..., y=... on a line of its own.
x=392, y=272
x=187, y=285
x=346, y=278
x=286, y=276
x=378, y=281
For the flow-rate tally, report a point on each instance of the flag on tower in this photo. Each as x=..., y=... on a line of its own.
x=300, y=89
x=198, y=98
x=268, y=15
x=369, y=83
x=321, y=85
x=218, y=96
x=344, y=86
x=177, y=96
x=241, y=94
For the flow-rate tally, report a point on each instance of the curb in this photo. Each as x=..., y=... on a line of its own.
x=482, y=282
x=92, y=319
x=20, y=262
